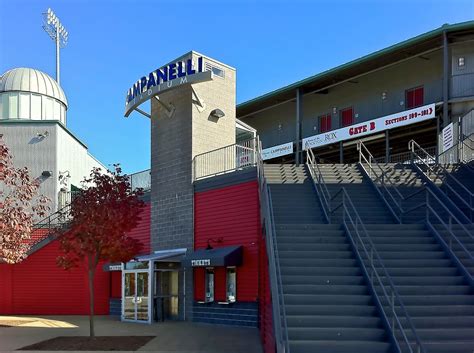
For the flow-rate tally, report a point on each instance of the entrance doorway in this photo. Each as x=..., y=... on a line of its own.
x=153, y=287
x=166, y=295
x=136, y=297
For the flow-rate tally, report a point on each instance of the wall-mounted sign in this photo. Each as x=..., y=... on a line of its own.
x=201, y=262
x=392, y=121
x=277, y=151
x=448, y=137
x=167, y=77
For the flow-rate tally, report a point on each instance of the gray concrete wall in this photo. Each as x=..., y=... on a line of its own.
x=171, y=191
x=58, y=152
x=174, y=143
x=35, y=153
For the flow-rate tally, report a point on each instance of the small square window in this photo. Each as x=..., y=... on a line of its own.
x=461, y=61
x=325, y=123
x=347, y=117
x=414, y=97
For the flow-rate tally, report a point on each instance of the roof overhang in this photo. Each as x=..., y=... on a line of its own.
x=405, y=50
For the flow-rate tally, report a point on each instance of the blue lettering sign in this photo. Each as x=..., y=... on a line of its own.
x=172, y=71
x=179, y=69
x=181, y=72
x=151, y=81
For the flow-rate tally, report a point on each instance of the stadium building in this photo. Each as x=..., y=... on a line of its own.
x=334, y=214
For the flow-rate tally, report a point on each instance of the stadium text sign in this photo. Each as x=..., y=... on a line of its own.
x=165, y=78
x=277, y=151
x=392, y=121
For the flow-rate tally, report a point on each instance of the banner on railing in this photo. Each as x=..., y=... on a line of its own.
x=277, y=151
x=448, y=137
x=392, y=121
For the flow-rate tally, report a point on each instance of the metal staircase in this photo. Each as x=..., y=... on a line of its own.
x=459, y=196
x=48, y=228
x=327, y=302
x=431, y=263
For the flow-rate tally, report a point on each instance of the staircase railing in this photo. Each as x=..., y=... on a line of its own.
x=431, y=200
x=467, y=151
x=356, y=230
x=381, y=178
x=320, y=184
x=276, y=287
x=421, y=156
x=53, y=222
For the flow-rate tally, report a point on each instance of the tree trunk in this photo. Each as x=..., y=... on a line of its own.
x=91, y=296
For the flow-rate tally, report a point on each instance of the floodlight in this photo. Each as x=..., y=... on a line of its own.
x=56, y=32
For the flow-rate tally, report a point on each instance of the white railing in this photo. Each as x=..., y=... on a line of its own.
x=225, y=159
x=141, y=180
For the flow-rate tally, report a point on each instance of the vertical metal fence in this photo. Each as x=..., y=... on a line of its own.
x=225, y=159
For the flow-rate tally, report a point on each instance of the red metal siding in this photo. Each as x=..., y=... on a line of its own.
x=232, y=213
x=116, y=284
x=37, y=286
x=142, y=230
x=40, y=287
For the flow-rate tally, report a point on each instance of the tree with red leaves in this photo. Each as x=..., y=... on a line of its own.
x=101, y=215
x=20, y=206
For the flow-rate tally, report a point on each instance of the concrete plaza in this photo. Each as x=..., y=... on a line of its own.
x=176, y=337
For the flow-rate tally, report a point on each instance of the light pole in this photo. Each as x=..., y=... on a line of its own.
x=56, y=32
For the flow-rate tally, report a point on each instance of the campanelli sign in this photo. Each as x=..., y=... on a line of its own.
x=165, y=78
x=277, y=151
x=392, y=121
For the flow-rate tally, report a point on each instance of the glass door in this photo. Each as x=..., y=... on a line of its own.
x=142, y=298
x=166, y=295
x=129, y=297
x=136, y=299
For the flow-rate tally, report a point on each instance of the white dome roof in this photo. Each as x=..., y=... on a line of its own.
x=31, y=80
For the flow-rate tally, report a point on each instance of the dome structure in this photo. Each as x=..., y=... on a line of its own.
x=27, y=93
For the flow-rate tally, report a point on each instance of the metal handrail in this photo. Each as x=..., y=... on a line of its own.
x=276, y=285
x=393, y=298
x=469, y=204
x=323, y=192
x=225, y=159
x=382, y=178
x=449, y=227
x=430, y=211
x=54, y=221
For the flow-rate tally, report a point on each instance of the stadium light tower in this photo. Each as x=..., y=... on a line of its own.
x=57, y=32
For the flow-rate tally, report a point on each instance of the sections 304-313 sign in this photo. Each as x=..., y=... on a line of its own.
x=167, y=77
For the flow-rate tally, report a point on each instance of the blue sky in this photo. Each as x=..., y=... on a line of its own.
x=270, y=43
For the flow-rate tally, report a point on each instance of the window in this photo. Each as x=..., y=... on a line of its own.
x=414, y=97
x=35, y=107
x=48, y=108
x=325, y=123
x=209, y=285
x=231, y=284
x=347, y=117
x=215, y=70
x=25, y=106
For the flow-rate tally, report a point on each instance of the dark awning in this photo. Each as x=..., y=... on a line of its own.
x=226, y=256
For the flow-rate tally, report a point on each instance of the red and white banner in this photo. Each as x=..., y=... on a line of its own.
x=392, y=121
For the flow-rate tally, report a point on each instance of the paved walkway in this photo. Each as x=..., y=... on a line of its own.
x=175, y=337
